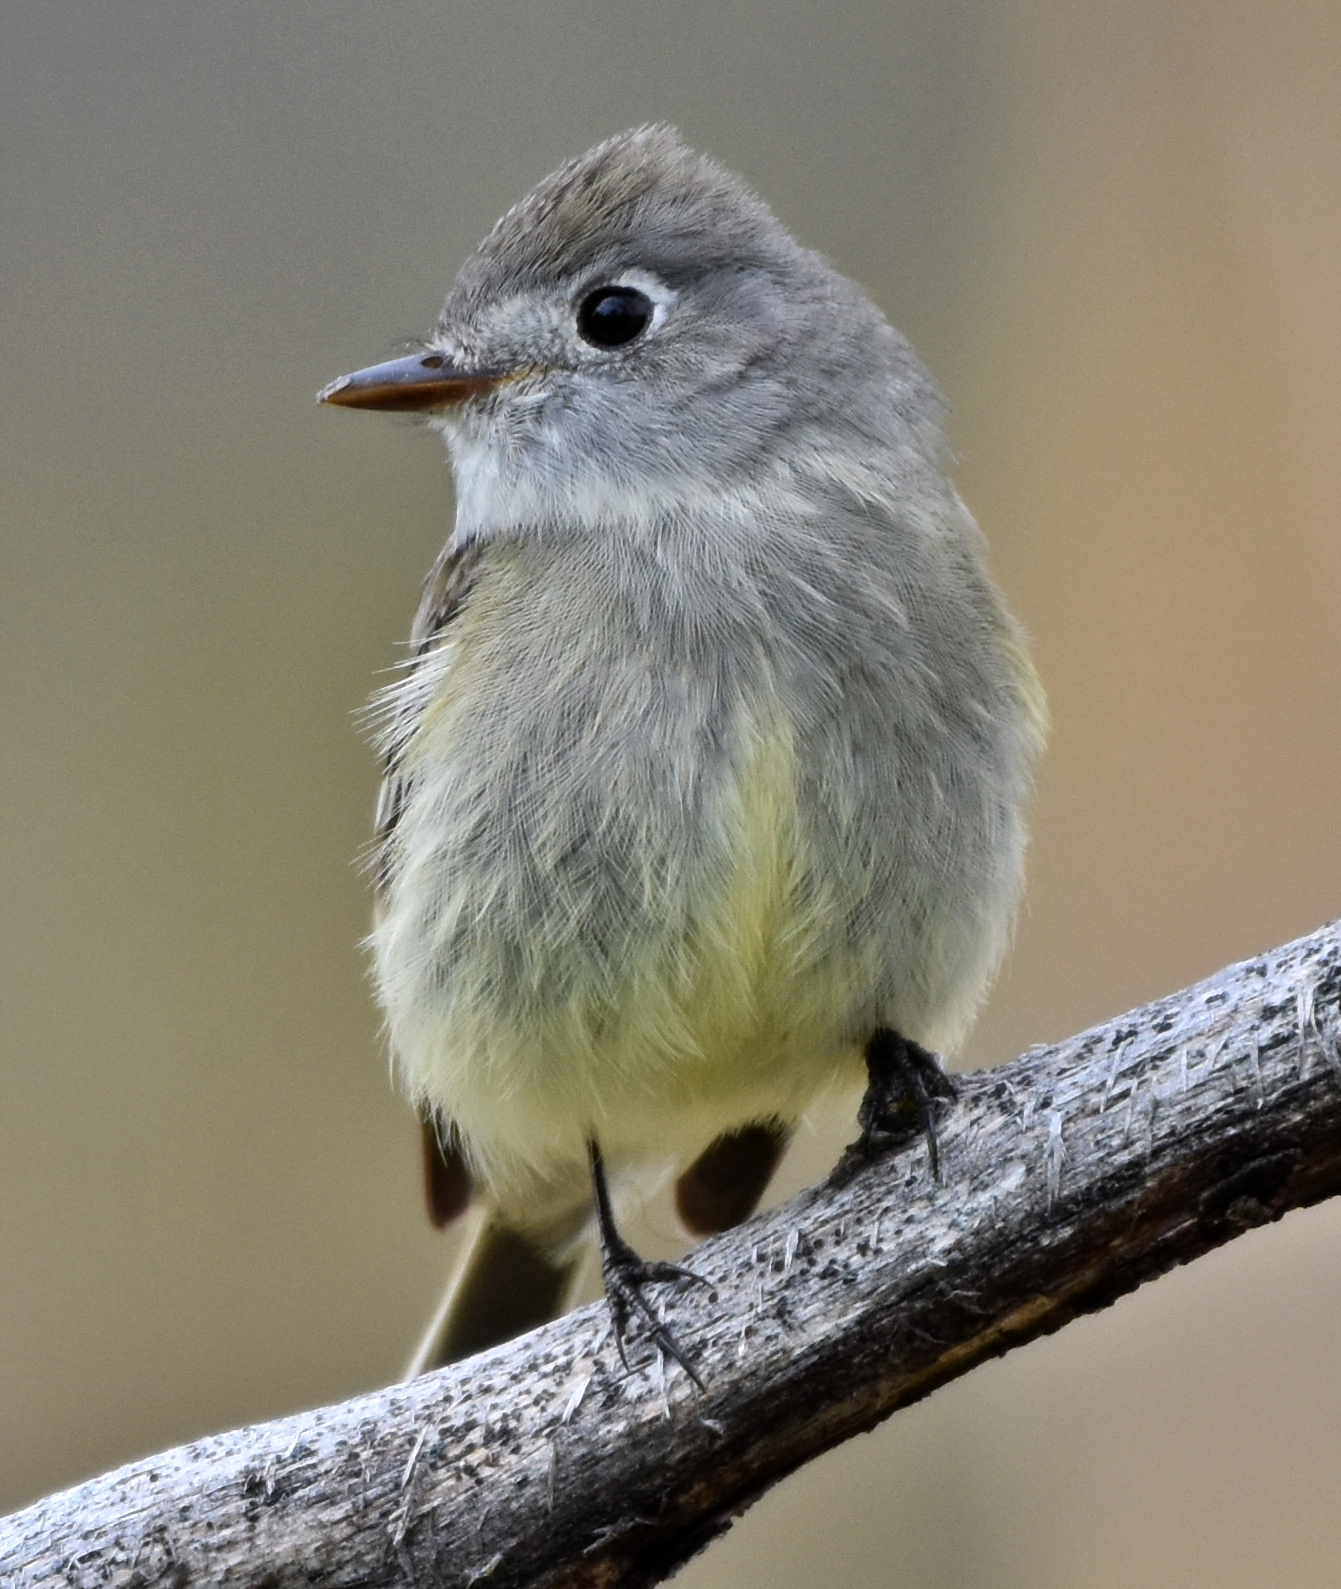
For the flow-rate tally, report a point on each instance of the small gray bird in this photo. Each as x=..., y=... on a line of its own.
x=705, y=779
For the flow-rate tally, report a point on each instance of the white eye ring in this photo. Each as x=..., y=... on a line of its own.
x=661, y=297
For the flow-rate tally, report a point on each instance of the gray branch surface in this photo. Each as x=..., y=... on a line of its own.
x=1069, y=1177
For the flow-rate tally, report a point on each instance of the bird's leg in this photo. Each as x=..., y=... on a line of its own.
x=625, y=1274
x=906, y=1090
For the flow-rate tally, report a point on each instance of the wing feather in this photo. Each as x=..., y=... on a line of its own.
x=397, y=710
x=396, y=713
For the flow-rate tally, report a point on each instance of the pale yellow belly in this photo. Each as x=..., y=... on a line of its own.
x=746, y=1019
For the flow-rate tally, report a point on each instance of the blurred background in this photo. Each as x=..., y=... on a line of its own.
x=1114, y=233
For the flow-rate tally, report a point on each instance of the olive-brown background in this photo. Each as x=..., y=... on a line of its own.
x=1113, y=230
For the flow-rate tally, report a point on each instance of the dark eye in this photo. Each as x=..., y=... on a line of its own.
x=612, y=316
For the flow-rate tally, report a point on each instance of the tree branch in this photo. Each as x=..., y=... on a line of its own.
x=1070, y=1177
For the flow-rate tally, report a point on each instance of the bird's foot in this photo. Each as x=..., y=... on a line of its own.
x=625, y=1274
x=906, y=1091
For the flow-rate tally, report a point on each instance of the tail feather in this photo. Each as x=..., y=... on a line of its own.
x=505, y=1283
x=502, y=1287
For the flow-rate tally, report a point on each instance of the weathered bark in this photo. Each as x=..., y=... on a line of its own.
x=1069, y=1177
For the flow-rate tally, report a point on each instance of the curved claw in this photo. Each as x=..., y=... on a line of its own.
x=673, y=1271
x=907, y=1088
x=625, y=1274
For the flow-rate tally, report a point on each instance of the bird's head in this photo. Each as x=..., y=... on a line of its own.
x=640, y=334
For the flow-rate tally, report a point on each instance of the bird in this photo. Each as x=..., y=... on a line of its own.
x=706, y=775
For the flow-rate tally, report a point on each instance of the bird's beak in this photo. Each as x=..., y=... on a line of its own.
x=418, y=383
